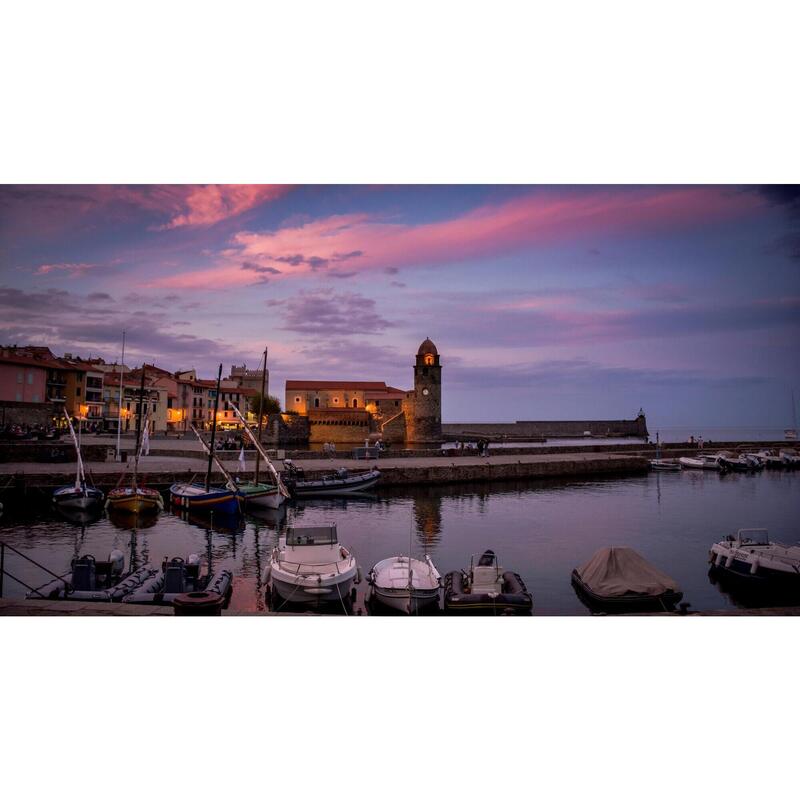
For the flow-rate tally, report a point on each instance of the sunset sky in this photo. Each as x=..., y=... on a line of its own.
x=545, y=302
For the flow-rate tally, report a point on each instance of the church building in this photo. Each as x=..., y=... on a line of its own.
x=352, y=411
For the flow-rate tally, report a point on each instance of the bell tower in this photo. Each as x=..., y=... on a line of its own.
x=424, y=414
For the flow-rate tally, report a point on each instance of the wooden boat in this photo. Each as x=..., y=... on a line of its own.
x=751, y=557
x=135, y=499
x=309, y=566
x=486, y=588
x=78, y=496
x=340, y=482
x=178, y=576
x=255, y=493
x=618, y=580
x=404, y=584
x=664, y=465
x=205, y=497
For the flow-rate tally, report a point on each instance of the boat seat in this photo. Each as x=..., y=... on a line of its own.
x=485, y=580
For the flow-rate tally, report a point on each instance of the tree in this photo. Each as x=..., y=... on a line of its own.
x=265, y=405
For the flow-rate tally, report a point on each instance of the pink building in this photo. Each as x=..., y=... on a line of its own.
x=23, y=380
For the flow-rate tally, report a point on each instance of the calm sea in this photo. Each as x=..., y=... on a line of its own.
x=541, y=530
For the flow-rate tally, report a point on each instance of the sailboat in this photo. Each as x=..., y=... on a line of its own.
x=265, y=495
x=659, y=464
x=205, y=497
x=135, y=499
x=77, y=496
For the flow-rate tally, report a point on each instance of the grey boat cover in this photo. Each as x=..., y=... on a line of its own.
x=616, y=571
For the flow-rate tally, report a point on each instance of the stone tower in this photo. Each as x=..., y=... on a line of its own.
x=423, y=405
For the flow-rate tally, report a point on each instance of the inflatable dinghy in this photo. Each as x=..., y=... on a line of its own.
x=92, y=580
x=176, y=577
x=486, y=588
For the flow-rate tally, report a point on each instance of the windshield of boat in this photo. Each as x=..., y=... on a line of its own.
x=311, y=536
x=753, y=536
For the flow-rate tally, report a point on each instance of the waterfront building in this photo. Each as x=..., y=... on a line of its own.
x=249, y=378
x=350, y=411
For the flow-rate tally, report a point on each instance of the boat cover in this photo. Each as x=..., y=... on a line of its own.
x=616, y=571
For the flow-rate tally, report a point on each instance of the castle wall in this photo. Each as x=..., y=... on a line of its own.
x=551, y=429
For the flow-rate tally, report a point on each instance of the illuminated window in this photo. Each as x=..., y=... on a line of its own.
x=336, y=401
x=429, y=359
x=297, y=399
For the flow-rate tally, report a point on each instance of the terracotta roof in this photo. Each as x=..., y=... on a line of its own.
x=361, y=386
x=42, y=363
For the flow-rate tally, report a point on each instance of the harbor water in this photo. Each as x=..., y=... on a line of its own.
x=540, y=529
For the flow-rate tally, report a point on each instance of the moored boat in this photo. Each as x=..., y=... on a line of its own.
x=618, y=580
x=178, y=576
x=95, y=581
x=751, y=557
x=340, y=482
x=310, y=566
x=205, y=497
x=665, y=465
x=404, y=584
x=770, y=459
x=78, y=496
x=706, y=462
x=486, y=588
x=790, y=458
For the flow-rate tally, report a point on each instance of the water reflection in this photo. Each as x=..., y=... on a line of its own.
x=542, y=530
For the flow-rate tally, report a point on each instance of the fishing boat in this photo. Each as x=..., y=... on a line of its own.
x=205, y=497
x=618, y=580
x=256, y=493
x=659, y=464
x=339, y=482
x=404, y=584
x=136, y=499
x=94, y=581
x=178, y=576
x=78, y=496
x=310, y=566
x=703, y=462
x=486, y=588
x=751, y=557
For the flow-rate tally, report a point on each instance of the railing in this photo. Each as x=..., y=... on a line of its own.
x=4, y=571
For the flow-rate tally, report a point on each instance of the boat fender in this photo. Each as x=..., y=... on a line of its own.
x=729, y=561
x=754, y=567
x=265, y=575
x=193, y=559
x=117, y=559
x=359, y=575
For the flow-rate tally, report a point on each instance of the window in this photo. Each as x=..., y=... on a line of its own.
x=30, y=378
x=396, y=403
x=355, y=403
x=36, y=398
x=429, y=359
x=336, y=401
x=78, y=391
x=297, y=399
x=20, y=377
x=19, y=397
x=129, y=406
x=154, y=407
x=316, y=402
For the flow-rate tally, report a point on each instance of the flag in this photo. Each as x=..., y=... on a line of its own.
x=146, y=441
x=242, y=465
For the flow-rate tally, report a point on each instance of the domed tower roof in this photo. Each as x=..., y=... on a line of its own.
x=427, y=347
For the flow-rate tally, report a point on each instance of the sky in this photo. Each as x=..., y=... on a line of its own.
x=545, y=302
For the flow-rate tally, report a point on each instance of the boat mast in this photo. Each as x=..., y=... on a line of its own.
x=119, y=401
x=138, y=428
x=260, y=414
x=213, y=432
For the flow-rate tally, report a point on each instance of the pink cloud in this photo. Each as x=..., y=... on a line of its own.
x=362, y=241
x=75, y=270
x=207, y=205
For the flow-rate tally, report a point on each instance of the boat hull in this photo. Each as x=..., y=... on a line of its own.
x=399, y=599
x=266, y=497
x=135, y=501
x=312, y=589
x=335, y=486
x=220, y=501
x=77, y=499
x=513, y=603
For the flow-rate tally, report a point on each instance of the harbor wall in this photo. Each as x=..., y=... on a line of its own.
x=552, y=429
x=52, y=452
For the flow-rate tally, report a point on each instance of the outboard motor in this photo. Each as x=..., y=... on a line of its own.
x=174, y=576
x=83, y=574
x=117, y=561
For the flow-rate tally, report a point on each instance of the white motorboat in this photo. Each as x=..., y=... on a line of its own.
x=310, y=566
x=664, y=465
x=770, y=460
x=750, y=556
x=702, y=462
x=405, y=584
x=733, y=462
x=790, y=458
